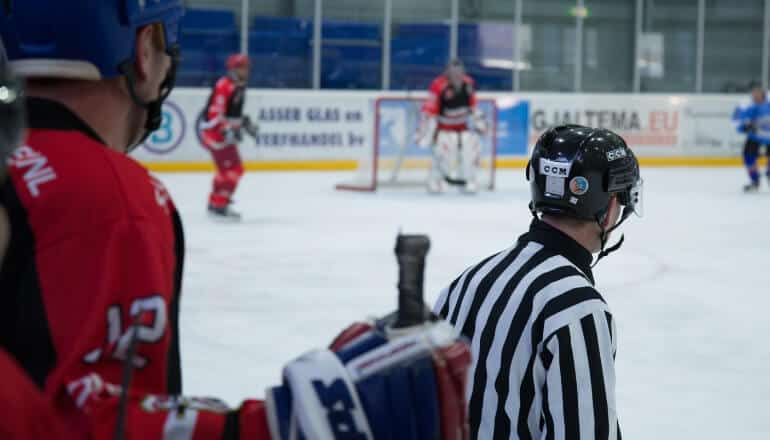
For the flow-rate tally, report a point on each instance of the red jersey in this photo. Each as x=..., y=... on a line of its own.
x=96, y=246
x=452, y=106
x=225, y=104
x=95, y=262
x=27, y=414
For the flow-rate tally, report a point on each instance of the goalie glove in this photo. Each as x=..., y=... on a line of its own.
x=426, y=133
x=376, y=383
x=479, y=122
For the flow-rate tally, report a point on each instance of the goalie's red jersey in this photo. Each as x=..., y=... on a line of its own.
x=451, y=106
x=94, y=262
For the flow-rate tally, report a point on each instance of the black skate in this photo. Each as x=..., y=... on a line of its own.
x=751, y=187
x=225, y=213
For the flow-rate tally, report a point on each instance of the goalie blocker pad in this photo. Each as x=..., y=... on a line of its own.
x=373, y=388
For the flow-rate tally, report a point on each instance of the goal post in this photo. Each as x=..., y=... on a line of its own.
x=393, y=159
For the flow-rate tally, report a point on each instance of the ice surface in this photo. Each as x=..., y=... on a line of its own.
x=690, y=289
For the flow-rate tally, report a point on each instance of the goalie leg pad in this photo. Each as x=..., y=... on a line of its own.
x=445, y=155
x=426, y=132
x=470, y=155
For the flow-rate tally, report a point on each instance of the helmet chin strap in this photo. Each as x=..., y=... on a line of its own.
x=606, y=233
x=154, y=108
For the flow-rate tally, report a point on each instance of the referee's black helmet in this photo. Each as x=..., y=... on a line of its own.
x=574, y=170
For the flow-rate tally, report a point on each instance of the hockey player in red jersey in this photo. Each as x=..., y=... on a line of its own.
x=91, y=276
x=221, y=132
x=450, y=126
x=26, y=413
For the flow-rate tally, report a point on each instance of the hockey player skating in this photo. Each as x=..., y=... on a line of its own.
x=754, y=121
x=543, y=339
x=221, y=130
x=450, y=126
x=92, y=272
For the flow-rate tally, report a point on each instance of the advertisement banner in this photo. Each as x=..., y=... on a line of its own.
x=650, y=126
x=317, y=126
x=291, y=126
x=653, y=125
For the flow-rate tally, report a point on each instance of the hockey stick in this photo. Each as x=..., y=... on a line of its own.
x=410, y=253
x=249, y=127
x=128, y=373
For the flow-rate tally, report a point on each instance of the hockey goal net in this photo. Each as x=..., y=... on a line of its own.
x=392, y=158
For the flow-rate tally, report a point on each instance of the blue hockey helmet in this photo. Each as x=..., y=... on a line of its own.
x=89, y=40
x=81, y=39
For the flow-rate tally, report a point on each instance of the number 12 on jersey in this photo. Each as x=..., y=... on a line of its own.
x=147, y=324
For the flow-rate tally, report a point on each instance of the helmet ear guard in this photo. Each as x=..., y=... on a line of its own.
x=155, y=107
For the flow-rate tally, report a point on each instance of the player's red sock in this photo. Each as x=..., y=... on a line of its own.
x=224, y=186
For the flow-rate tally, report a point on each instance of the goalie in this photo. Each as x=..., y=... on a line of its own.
x=450, y=126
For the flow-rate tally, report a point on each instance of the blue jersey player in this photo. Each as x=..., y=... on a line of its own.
x=754, y=121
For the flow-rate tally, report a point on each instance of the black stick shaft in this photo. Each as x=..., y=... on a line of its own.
x=128, y=373
x=410, y=252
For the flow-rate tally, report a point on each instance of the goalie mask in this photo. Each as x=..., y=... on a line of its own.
x=575, y=170
x=455, y=72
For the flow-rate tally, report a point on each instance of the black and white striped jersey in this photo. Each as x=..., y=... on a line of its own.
x=543, y=342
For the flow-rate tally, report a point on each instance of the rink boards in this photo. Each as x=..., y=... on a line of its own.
x=332, y=130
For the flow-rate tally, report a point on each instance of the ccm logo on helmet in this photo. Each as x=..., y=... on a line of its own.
x=555, y=169
x=617, y=154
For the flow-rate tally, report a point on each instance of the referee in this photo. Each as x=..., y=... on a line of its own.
x=543, y=339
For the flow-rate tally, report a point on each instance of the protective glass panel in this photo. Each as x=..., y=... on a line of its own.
x=732, y=52
x=608, y=45
x=548, y=49
x=351, y=49
x=419, y=43
x=668, y=46
x=281, y=43
x=485, y=43
x=209, y=32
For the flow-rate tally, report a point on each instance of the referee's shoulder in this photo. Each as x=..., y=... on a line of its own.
x=562, y=276
x=566, y=298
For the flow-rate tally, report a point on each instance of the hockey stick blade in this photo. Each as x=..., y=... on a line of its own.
x=456, y=182
x=444, y=175
x=410, y=253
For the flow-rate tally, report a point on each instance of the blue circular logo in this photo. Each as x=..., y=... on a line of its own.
x=578, y=185
x=172, y=130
